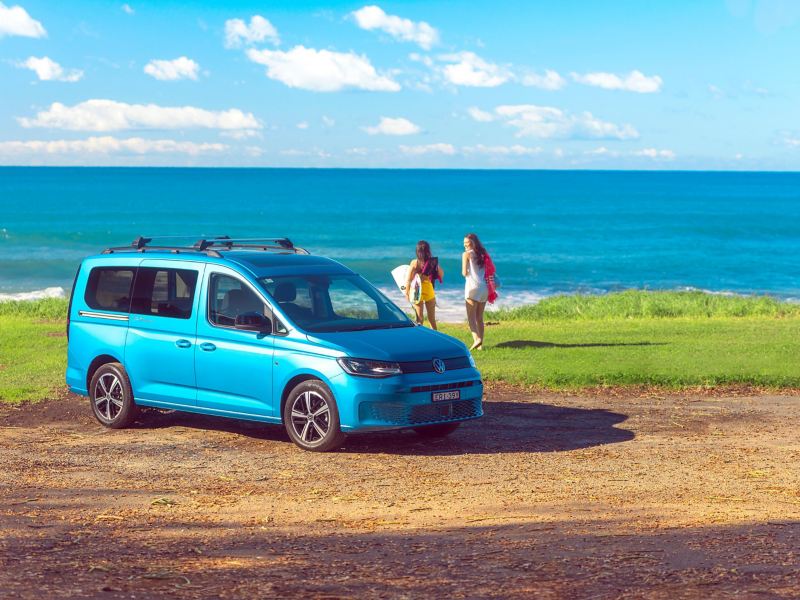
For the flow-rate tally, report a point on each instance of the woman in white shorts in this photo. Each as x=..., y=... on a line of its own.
x=476, y=292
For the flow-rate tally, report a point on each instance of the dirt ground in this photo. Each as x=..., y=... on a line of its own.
x=548, y=496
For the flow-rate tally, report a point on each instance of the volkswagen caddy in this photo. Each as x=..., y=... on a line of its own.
x=259, y=329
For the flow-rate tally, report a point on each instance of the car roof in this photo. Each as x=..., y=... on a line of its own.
x=265, y=264
x=259, y=263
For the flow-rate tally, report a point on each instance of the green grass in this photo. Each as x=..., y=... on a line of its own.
x=51, y=309
x=33, y=355
x=679, y=352
x=669, y=339
x=657, y=305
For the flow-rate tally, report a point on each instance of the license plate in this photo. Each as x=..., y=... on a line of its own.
x=446, y=396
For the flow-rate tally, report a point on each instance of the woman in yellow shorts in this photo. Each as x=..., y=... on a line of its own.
x=429, y=271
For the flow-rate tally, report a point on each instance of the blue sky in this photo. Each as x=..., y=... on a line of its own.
x=568, y=84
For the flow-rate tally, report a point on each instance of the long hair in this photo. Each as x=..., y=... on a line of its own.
x=423, y=252
x=480, y=251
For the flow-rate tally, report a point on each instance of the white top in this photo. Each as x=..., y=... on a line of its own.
x=475, y=284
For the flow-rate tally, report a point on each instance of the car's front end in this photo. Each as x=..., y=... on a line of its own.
x=398, y=378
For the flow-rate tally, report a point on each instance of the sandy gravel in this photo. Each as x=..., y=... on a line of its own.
x=598, y=496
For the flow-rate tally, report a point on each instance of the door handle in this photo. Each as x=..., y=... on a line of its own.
x=183, y=344
x=208, y=347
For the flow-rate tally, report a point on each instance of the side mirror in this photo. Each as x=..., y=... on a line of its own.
x=253, y=321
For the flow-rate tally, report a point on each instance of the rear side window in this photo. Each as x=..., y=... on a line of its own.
x=109, y=289
x=164, y=292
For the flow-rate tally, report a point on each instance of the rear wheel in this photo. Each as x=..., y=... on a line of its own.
x=112, y=397
x=437, y=431
x=311, y=417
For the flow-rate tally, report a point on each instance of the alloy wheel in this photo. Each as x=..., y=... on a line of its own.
x=108, y=396
x=311, y=417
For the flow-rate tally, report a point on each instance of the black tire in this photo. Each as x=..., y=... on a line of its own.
x=437, y=431
x=311, y=417
x=111, y=397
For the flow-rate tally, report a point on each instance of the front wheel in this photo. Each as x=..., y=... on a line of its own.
x=112, y=397
x=437, y=431
x=311, y=417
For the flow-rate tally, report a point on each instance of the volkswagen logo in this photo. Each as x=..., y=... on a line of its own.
x=438, y=365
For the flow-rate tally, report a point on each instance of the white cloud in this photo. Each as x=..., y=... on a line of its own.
x=47, y=69
x=360, y=151
x=15, y=20
x=171, y=70
x=440, y=148
x=238, y=33
x=393, y=126
x=469, y=69
x=313, y=153
x=550, y=81
x=328, y=121
x=127, y=9
x=515, y=150
x=421, y=33
x=421, y=58
x=655, y=154
x=635, y=81
x=302, y=125
x=322, y=70
x=601, y=151
x=108, y=145
x=548, y=122
x=109, y=115
x=241, y=134
x=480, y=115
x=717, y=92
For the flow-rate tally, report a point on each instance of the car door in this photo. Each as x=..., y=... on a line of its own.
x=159, y=349
x=234, y=367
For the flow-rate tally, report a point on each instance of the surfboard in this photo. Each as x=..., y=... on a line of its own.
x=400, y=276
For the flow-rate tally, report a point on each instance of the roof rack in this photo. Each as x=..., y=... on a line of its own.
x=212, y=246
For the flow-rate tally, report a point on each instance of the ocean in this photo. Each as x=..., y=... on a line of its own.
x=549, y=232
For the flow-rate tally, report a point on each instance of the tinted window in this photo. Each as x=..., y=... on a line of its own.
x=228, y=298
x=109, y=289
x=164, y=292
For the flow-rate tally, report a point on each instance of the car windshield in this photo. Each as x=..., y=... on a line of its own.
x=327, y=303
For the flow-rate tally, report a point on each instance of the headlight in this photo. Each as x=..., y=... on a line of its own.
x=369, y=368
x=472, y=361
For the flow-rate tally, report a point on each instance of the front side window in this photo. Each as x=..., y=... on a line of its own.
x=327, y=303
x=228, y=298
x=164, y=292
x=109, y=288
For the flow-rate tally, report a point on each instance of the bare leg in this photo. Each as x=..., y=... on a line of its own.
x=418, y=310
x=473, y=327
x=430, y=307
x=479, y=325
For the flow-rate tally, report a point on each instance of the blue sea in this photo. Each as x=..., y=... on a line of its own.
x=549, y=232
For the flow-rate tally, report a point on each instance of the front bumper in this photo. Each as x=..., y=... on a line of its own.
x=406, y=400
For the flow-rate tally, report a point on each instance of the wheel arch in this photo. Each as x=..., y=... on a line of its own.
x=99, y=361
x=297, y=380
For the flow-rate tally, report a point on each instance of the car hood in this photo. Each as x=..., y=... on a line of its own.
x=401, y=344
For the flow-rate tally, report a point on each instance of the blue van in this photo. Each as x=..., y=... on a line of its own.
x=259, y=329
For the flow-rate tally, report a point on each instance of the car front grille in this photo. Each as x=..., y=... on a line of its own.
x=396, y=413
x=426, y=366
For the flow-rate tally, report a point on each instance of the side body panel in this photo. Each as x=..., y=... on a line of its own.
x=233, y=367
x=92, y=332
x=159, y=351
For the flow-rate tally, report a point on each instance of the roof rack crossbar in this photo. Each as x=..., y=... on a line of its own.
x=209, y=246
